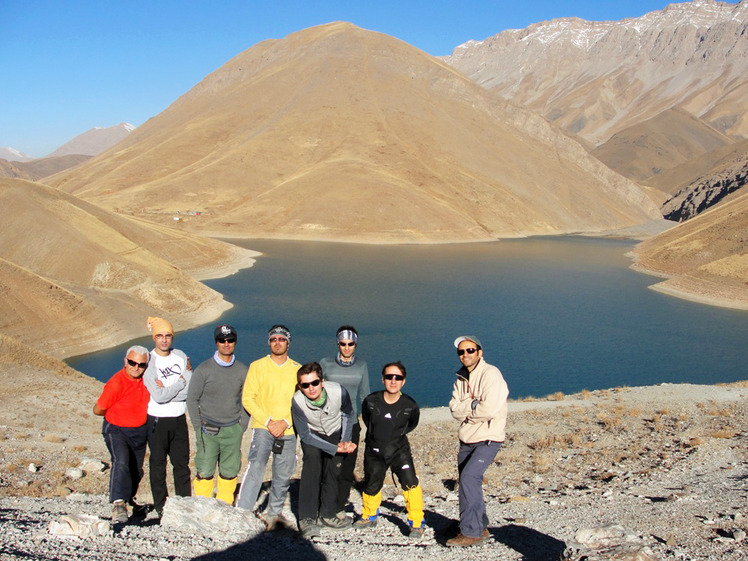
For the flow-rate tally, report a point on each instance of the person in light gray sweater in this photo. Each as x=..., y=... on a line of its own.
x=214, y=403
x=322, y=416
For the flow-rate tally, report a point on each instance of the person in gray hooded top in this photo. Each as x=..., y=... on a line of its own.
x=322, y=416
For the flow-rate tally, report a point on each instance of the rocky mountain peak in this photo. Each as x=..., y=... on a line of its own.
x=609, y=75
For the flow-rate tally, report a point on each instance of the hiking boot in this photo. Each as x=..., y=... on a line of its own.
x=464, y=541
x=416, y=533
x=370, y=522
x=275, y=522
x=308, y=528
x=270, y=522
x=119, y=512
x=337, y=522
x=139, y=510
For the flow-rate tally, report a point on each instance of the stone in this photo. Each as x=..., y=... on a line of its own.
x=74, y=473
x=606, y=543
x=203, y=516
x=91, y=465
x=80, y=526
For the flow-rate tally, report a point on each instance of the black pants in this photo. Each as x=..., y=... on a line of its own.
x=345, y=481
x=376, y=466
x=168, y=436
x=320, y=473
x=127, y=449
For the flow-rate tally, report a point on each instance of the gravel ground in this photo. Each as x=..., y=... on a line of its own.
x=669, y=463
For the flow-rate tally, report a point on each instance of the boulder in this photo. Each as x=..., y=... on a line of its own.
x=606, y=543
x=203, y=516
x=80, y=526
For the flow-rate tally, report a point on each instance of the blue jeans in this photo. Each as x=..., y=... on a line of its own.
x=472, y=462
x=284, y=465
x=126, y=447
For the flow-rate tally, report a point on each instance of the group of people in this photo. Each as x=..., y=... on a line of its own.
x=146, y=404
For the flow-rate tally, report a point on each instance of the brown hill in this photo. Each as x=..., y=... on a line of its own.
x=335, y=132
x=666, y=141
x=81, y=278
x=710, y=164
x=13, y=169
x=705, y=258
x=36, y=169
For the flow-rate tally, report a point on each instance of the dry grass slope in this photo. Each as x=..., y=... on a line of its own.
x=82, y=278
x=336, y=132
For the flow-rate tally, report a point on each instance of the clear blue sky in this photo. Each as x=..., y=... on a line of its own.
x=68, y=66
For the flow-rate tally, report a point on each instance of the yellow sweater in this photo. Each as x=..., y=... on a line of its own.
x=268, y=391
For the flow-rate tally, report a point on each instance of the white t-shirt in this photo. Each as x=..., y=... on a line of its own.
x=169, y=370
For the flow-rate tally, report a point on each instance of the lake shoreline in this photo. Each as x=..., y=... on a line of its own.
x=697, y=292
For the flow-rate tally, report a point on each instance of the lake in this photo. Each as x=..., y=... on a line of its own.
x=554, y=314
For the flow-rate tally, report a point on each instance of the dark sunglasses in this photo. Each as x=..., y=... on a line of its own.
x=305, y=385
x=229, y=340
x=341, y=344
x=398, y=377
x=138, y=364
x=469, y=351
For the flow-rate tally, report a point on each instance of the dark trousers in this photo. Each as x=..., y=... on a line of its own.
x=126, y=447
x=472, y=462
x=318, y=487
x=168, y=436
x=345, y=481
x=376, y=466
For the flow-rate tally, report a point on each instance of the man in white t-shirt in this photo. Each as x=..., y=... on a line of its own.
x=167, y=379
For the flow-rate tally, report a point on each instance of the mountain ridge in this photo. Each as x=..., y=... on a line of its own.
x=305, y=136
x=689, y=54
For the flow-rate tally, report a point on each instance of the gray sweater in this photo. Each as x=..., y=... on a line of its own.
x=215, y=395
x=354, y=378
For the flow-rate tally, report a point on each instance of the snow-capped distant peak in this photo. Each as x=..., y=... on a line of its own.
x=13, y=155
x=95, y=140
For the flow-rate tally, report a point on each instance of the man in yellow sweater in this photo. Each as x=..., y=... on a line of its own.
x=267, y=395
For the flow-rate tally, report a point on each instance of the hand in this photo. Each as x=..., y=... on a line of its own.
x=346, y=447
x=189, y=364
x=277, y=428
x=159, y=383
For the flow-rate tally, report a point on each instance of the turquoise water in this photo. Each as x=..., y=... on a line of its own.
x=554, y=314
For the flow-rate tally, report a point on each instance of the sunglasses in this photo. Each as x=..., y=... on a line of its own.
x=315, y=383
x=276, y=339
x=138, y=364
x=229, y=340
x=469, y=351
x=341, y=344
x=398, y=377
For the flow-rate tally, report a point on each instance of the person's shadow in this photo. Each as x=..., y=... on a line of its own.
x=278, y=545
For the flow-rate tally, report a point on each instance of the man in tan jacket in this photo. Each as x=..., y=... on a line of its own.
x=479, y=403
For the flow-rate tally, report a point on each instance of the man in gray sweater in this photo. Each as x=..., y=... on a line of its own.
x=351, y=372
x=214, y=403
